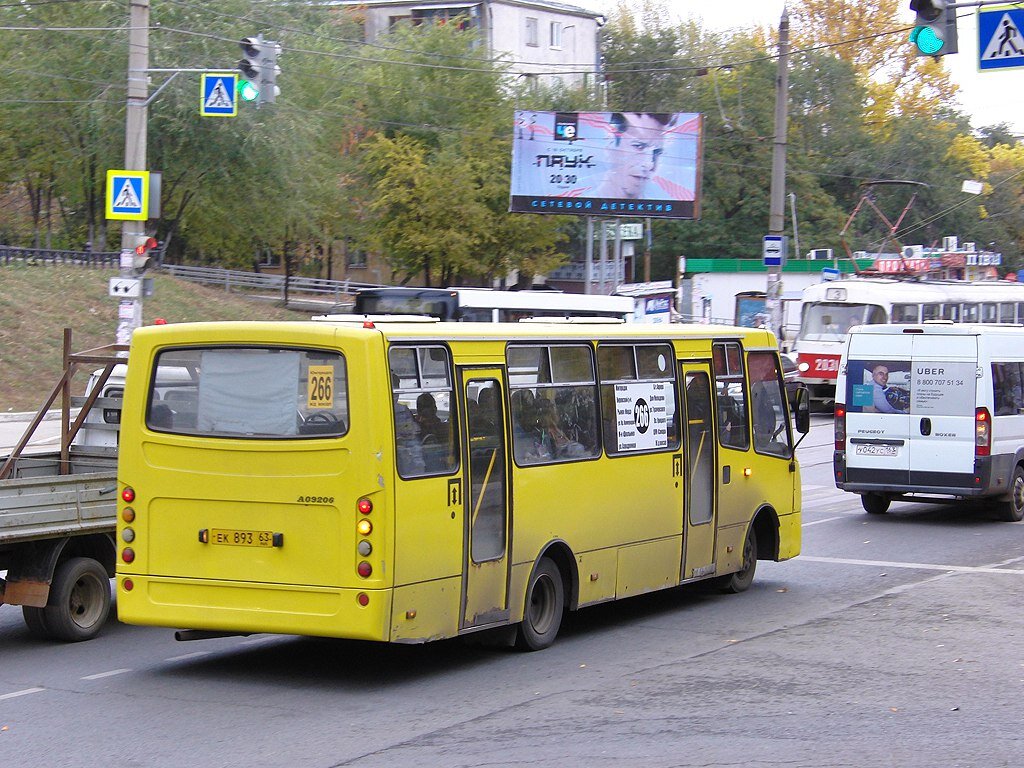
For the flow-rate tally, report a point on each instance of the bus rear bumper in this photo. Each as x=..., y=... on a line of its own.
x=233, y=607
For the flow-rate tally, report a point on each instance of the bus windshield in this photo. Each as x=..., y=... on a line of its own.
x=831, y=322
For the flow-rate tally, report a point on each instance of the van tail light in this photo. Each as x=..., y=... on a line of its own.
x=840, y=426
x=982, y=432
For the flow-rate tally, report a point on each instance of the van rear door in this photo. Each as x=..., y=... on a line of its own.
x=943, y=399
x=878, y=420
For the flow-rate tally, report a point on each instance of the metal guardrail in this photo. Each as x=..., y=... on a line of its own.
x=231, y=280
x=99, y=259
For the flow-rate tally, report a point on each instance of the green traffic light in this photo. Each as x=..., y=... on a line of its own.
x=247, y=91
x=927, y=40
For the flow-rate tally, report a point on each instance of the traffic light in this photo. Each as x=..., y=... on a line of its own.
x=934, y=32
x=142, y=260
x=259, y=70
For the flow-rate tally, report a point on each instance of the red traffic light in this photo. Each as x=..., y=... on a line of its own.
x=146, y=246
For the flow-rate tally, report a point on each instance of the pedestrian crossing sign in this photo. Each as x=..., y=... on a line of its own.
x=1000, y=37
x=218, y=95
x=128, y=195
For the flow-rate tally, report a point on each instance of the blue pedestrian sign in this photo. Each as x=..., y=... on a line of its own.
x=219, y=97
x=128, y=195
x=1000, y=37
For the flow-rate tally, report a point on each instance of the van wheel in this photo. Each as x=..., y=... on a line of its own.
x=734, y=583
x=545, y=601
x=874, y=503
x=79, y=600
x=1012, y=510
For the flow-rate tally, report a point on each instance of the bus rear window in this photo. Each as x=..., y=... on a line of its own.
x=256, y=392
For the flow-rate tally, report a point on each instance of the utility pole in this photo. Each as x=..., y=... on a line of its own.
x=777, y=197
x=129, y=313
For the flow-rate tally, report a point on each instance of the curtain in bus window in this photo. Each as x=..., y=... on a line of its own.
x=266, y=405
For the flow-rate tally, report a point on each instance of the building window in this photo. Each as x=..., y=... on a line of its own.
x=394, y=21
x=355, y=257
x=532, y=34
x=556, y=34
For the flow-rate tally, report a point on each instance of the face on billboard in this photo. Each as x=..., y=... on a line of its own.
x=607, y=163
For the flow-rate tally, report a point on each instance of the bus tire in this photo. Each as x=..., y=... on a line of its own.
x=545, y=602
x=740, y=581
x=1012, y=510
x=35, y=620
x=79, y=601
x=874, y=503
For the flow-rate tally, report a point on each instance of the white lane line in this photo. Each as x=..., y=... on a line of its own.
x=825, y=520
x=914, y=566
x=194, y=655
x=25, y=692
x=100, y=675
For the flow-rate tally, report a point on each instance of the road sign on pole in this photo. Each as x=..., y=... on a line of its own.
x=128, y=195
x=1000, y=37
x=219, y=95
x=773, y=250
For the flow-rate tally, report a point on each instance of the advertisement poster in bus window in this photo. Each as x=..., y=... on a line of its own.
x=607, y=163
x=641, y=415
x=878, y=386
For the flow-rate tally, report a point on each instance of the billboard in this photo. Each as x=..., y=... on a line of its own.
x=607, y=163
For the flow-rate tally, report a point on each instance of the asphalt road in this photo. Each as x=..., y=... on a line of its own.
x=891, y=641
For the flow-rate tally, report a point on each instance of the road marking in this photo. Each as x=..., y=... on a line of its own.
x=825, y=520
x=194, y=655
x=25, y=692
x=99, y=675
x=912, y=566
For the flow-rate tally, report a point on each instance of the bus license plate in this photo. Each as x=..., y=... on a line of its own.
x=878, y=450
x=237, y=538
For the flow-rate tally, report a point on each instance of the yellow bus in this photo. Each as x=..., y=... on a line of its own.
x=406, y=481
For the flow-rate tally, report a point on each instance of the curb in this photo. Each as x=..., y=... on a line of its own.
x=27, y=416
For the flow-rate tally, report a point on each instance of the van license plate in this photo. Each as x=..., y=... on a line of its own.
x=237, y=538
x=877, y=450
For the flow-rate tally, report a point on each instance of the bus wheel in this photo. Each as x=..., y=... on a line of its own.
x=874, y=503
x=35, y=620
x=734, y=583
x=545, y=601
x=1012, y=510
x=79, y=600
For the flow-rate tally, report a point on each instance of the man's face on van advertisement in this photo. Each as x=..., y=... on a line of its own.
x=880, y=374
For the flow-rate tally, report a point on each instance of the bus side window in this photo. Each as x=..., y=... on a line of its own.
x=730, y=395
x=771, y=433
x=1007, y=394
x=421, y=391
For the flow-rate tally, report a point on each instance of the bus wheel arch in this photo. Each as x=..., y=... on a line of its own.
x=761, y=542
x=766, y=531
x=545, y=601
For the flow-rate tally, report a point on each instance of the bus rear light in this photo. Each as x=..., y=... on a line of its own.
x=364, y=527
x=365, y=506
x=365, y=548
x=128, y=494
x=364, y=569
x=840, y=426
x=128, y=535
x=128, y=585
x=128, y=515
x=982, y=432
x=363, y=599
x=128, y=555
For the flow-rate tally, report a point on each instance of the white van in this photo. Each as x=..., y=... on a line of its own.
x=932, y=412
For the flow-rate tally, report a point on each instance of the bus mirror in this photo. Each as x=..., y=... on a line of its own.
x=803, y=411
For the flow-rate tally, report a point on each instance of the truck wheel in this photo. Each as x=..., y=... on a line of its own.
x=79, y=600
x=545, y=601
x=1012, y=510
x=35, y=620
x=874, y=503
x=740, y=581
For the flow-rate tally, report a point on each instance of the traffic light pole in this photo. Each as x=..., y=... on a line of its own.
x=777, y=194
x=129, y=310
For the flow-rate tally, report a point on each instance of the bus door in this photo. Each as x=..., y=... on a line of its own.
x=486, y=550
x=699, y=487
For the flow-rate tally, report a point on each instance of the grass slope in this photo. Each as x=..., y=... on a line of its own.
x=38, y=302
